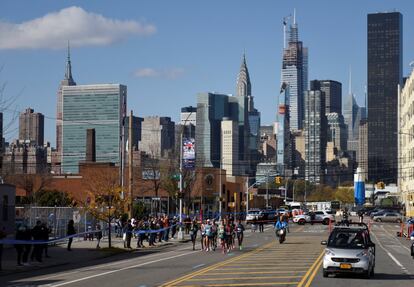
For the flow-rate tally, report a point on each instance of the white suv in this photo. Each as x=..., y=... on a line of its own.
x=320, y=216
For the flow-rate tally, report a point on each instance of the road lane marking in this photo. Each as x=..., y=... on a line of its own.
x=405, y=247
x=310, y=269
x=244, y=284
x=254, y=272
x=117, y=270
x=198, y=266
x=391, y=256
x=314, y=273
x=244, y=278
x=193, y=274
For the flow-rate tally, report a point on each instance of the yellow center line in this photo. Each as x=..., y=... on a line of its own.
x=253, y=272
x=245, y=284
x=244, y=278
x=260, y=268
x=268, y=264
x=314, y=273
x=214, y=266
x=310, y=269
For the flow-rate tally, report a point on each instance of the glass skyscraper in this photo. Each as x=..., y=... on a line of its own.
x=295, y=73
x=99, y=107
x=384, y=74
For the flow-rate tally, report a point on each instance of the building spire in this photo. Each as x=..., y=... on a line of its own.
x=68, y=72
x=350, y=80
x=243, y=79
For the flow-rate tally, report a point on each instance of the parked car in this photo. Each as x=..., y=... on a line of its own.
x=349, y=249
x=252, y=214
x=388, y=217
x=320, y=216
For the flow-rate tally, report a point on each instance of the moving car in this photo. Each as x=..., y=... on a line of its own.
x=349, y=249
x=321, y=216
x=388, y=217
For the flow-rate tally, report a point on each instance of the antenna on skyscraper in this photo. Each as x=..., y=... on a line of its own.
x=285, y=19
x=294, y=16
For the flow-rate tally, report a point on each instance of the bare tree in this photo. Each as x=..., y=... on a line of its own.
x=104, y=192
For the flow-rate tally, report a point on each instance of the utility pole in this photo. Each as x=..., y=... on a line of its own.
x=130, y=158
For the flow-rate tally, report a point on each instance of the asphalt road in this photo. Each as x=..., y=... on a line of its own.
x=262, y=262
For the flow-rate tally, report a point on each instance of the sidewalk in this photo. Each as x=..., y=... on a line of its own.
x=82, y=251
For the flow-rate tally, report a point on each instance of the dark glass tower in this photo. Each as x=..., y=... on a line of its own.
x=384, y=75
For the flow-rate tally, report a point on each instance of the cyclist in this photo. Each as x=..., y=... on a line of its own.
x=239, y=231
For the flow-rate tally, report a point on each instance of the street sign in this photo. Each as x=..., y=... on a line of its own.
x=76, y=216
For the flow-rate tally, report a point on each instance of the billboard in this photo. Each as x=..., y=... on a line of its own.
x=188, y=153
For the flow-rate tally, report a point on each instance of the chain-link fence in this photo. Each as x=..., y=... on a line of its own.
x=56, y=218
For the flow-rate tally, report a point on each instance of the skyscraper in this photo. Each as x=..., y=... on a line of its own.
x=158, y=136
x=31, y=127
x=284, y=154
x=315, y=136
x=295, y=74
x=384, y=74
x=249, y=128
x=67, y=81
x=211, y=109
x=230, y=146
x=99, y=107
x=333, y=94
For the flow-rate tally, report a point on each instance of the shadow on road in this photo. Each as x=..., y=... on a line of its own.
x=379, y=276
x=13, y=278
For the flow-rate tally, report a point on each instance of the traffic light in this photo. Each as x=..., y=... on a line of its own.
x=251, y=196
x=278, y=180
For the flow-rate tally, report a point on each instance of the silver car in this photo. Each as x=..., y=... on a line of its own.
x=349, y=249
x=388, y=217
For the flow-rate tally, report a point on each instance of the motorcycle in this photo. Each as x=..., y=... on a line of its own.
x=412, y=246
x=281, y=233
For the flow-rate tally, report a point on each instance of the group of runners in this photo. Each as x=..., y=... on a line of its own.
x=221, y=233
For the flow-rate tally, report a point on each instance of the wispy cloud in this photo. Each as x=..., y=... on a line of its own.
x=168, y=73
x=82, y=28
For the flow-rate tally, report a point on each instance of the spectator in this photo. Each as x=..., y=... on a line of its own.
x=128, y=234
x=45, y=236
x=27, y=247
x=19, y=247
x=98, y=235
x=70, y=232
x=37, y=236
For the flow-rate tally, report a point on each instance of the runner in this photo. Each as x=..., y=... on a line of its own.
x=222, y=235
x=214, y=238
x=240, y=230
x=208, y=235
x=193, y=231
x=228, y=235
x=203, y=235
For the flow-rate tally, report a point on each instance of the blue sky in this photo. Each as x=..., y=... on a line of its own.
x=168, y=51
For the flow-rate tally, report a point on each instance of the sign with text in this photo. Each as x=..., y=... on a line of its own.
x=188, y=153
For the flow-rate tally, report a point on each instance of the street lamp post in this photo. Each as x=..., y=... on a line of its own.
x=180, y=231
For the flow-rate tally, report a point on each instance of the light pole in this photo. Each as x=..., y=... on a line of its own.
x=180, y=231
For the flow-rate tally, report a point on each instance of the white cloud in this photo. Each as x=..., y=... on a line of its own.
x=82, y=28
x=169, y=73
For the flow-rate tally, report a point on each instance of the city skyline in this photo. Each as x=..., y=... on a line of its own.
x=190, y=64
